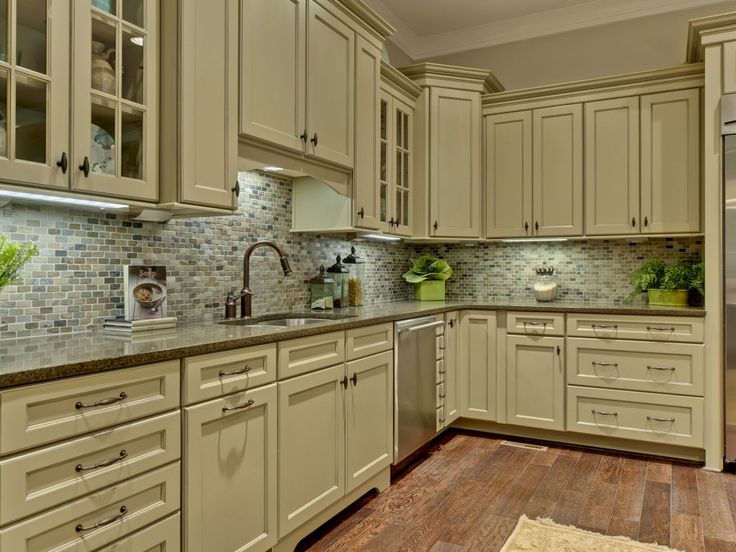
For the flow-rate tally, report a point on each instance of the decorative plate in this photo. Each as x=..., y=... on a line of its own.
x=101, y=151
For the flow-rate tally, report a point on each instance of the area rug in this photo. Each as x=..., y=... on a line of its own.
x=544, y=535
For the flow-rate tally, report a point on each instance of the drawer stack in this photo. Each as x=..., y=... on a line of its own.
x=636, y=377
x=89, y=461
x=440, y=373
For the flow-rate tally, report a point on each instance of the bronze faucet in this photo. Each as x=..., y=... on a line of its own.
x=246, y=294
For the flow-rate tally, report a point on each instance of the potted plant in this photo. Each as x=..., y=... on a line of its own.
x=668, y=284
x=428, y=274
x=13, y=256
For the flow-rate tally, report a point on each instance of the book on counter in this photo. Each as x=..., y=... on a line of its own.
x=122, y=325
x=145, y=294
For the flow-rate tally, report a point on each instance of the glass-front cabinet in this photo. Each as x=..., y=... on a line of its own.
x=115, y=98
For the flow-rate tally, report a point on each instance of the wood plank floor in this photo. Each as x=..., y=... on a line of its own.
x=469, y=492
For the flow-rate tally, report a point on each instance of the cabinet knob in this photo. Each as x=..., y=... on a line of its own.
x=84, y=167
x=391, y=222
x=303, y=136
x=536, y=225
x=633, y=221
x=236, y=189
x=63, y=163
x=314, y=139
x=526, y=226
x=361, y=213
x=452, y=322
x=558, y=350
x=435, y=225
x=646, y=221
x=344, y=382
x=354, y=379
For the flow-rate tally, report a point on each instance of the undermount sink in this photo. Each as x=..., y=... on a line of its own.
x=291, y=322
x=285, y=321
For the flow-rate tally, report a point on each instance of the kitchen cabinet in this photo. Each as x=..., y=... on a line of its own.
x=451, y=379
x=535, y=381
x=477, y=365
x=670, y=161
x=230, y=472
x=612, y=167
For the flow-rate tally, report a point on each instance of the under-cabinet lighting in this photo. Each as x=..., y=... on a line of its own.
x=380, y=237
x=534, y=240
x=61, y=200
x=137, y=40
x=271, y=168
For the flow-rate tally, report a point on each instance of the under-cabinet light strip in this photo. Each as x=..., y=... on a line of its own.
x=61, y=200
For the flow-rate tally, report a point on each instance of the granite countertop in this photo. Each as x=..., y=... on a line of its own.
x=37, y=359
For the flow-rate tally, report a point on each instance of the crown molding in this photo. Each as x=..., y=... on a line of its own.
x=369, y=18
x=452, y=76
x=707, y=30
x=395, y=78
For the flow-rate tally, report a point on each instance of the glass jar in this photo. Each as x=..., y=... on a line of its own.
x=321, y=291
x=356, y=278
x=545, y=287
x=341, y=274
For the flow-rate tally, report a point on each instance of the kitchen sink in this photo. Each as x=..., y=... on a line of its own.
x=286, y=321
x=291, y=322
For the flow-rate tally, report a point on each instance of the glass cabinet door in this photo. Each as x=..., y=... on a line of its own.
x=115, y=90
x=402, y=168
x=384, y=170
x=34, y=92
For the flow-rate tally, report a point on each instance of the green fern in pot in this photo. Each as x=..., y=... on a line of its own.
x=670, y=284
x=13, y=257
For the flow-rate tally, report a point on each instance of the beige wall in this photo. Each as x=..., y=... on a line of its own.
x=635, y=45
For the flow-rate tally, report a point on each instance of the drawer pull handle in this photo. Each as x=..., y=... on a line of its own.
x=443, y=396
x=442, y=371
x=662, y=368
x=107, y=521
x=661, y=328
x=655, y=419
x=246, y=404
x=102, y=402
x=104, y=463
x=605, y=326
x=604, y=413
x=611, y=364
x=243, y=370
x=532, y=323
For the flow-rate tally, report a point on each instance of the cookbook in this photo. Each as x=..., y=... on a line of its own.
x=145, y=292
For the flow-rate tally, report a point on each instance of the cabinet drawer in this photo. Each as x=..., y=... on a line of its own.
x=39, y=414
x=164, y=536
x=680, y=328
x=362, y=342
x=636, y=365
x=306, y=354
x=651, y=417
x=216, y=374
x=42, y=479
x=440, y=371
x=440, y=398
x=440, y=418
x=117, y=510
x=440, y=346
x=535, y=323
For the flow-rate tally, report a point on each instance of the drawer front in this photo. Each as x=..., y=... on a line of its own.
x=42, y=479
x=307, y=354
x=440, y=371
x=117, y=510
x=164, y=536
x=217, y=374
x=649, y=328
x=535, y=323
x=440, y=418
x=39, y=414
x=440, y=398
x=439, y=346
x=363, y=342
x=671, y=419
x=636, y=365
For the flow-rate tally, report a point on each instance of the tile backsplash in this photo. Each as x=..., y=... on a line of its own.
x=76, y=280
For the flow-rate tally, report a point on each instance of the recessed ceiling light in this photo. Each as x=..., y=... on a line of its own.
x=381, y=237
x=61, y=200
x=271, y=168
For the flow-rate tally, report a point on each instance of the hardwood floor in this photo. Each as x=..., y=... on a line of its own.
x=469, y=492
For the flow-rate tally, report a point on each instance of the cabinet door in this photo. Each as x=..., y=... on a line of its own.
x=535, y=381
x=311, y=445
x=451, y=399
x=330, y=86
x=115, y=91
x=612, y=167
x=508, y=174
x=34, y=92
x=208, y=102
x=558, y=170
x=366, y=200
x=272, y=70
x=385, y=162
x=230, y=472
x=670, y=161
x=401, y=194
x=454, y=163
x=477, y=365
x=369, y=417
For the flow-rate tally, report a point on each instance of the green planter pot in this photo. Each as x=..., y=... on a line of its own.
x=430, y=290
x=668, y=298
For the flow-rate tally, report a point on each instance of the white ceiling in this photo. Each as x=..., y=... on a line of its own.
x=429, y=28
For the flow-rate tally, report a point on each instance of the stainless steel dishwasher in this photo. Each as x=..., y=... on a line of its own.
x=415, y=384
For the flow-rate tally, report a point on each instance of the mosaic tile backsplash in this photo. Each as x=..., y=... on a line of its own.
x=76, y=280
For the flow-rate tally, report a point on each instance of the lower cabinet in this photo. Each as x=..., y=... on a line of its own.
x=451, y=380
x=230, y=472
x=535, y=381
x=477, y=365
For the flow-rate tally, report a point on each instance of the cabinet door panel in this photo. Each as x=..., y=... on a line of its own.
x=369, y=417
x=670, y=161
x=508, y=174
x=612, y=167
x=477, y=363
x=536, y=381
x=330, y=86
x=272, y=70
x=454, y=163
x=311, y=445
x=558, y=170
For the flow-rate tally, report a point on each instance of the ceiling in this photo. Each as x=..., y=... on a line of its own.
x=429, y=28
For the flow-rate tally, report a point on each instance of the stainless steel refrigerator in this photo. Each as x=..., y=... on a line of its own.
x=728, y=132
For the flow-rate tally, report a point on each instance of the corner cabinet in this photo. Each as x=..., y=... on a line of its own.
x=477, y=348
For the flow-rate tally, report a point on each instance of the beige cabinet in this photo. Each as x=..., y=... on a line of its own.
x=557, y=153
x=670, y=161
x=230, y=472
x=535, y=381
x=199, y=93
x=612, y=167
x=477, y=365
x=450, y=391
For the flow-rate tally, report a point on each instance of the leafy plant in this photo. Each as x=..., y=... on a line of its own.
x=697, y=278
x=647, y=276
x=13, y=256
x=428, y=268
x=678, y=275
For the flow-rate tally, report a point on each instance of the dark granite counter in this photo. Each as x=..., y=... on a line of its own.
x=37, y=359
